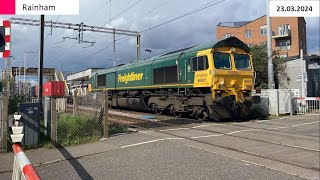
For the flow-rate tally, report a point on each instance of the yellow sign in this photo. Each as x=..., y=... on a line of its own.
x=125, y=78
x=202, y=79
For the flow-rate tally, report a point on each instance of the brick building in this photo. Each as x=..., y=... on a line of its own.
x=288, y=33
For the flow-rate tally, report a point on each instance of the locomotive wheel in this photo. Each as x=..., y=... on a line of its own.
x=154, y=108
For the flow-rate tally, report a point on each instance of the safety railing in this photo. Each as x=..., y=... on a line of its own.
x=22, y=168
x=308, y=105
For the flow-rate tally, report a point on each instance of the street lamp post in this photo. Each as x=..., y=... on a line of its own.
x=114, y=61
x=149, y=51
x=19, y=82
x=24, y=64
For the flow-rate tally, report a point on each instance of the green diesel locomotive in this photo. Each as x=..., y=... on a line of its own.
x=211, y=81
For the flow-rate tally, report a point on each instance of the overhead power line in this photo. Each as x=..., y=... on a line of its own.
x=149, y=12
x=35, y=54
x=210, y=4
x=77, y=27
x=184, y=15
x=112, y=19
x=124, y=11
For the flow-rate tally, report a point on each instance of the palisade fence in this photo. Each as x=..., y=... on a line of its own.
x=80, y=119
x=308, y=105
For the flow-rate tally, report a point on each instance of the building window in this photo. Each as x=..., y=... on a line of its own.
x=284, y=29
x=283, y=42
x=248, y=34
x=263, y=30
x=227, y=35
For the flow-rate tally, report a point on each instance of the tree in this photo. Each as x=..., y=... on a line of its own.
x=260, y=62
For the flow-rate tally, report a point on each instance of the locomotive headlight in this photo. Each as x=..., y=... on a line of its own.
x=221, y=86
x=248, y=86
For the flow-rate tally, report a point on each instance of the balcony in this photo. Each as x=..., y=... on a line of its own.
x=282, y=34
x=284, y=47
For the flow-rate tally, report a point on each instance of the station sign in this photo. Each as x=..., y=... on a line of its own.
x=39, y=7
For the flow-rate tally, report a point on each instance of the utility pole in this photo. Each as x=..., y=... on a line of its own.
x=138, y=47
x=8, y=75
x=303, y=87
x=271, y=84
x=19, y=82
x=25, y=65
x=40, y=68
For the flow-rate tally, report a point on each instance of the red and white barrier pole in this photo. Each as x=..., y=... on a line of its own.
x=25, y=165
x=22, y=167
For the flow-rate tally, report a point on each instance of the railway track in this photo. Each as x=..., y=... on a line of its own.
x=135, y=120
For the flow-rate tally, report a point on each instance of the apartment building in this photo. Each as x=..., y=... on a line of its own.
x=288, y=33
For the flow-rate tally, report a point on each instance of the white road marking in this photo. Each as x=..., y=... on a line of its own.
x=250, y=162
x=248, y=130
x=213, y=135
x=234, y=132
x=152, y=141
x=165, y=130
x=281, y=127
x=305, y=124
x=207, y=125
x=301, y=147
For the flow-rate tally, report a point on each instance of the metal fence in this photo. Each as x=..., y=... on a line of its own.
x=275, y=101
x=308, y=105
x=81, y=120
x=286, y=101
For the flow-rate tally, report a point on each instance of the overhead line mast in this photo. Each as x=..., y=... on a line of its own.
x=81, y=28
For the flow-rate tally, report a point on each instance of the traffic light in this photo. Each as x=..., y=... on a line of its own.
x=5, y=39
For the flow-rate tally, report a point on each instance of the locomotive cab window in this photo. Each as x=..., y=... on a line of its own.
x=222, y=60
x=200, y=63
x=102, y=80
x=242, y=61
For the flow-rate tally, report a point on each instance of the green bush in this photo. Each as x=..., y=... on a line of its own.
x=73, y=130
x=257, y=113
x=14, y=100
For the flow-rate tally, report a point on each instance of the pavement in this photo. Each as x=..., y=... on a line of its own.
x=287, y=148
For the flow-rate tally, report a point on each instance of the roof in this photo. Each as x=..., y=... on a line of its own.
x=231, y=41
x=82, y=75
x=237, y=24
x=233, y=24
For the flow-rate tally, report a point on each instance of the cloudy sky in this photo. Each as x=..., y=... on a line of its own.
x=190, y=30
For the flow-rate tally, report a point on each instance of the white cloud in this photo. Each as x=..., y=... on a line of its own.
x=191, y=30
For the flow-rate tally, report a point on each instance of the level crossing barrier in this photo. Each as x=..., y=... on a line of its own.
x=22, y=167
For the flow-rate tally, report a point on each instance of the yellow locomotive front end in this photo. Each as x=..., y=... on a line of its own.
x=231, y=78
